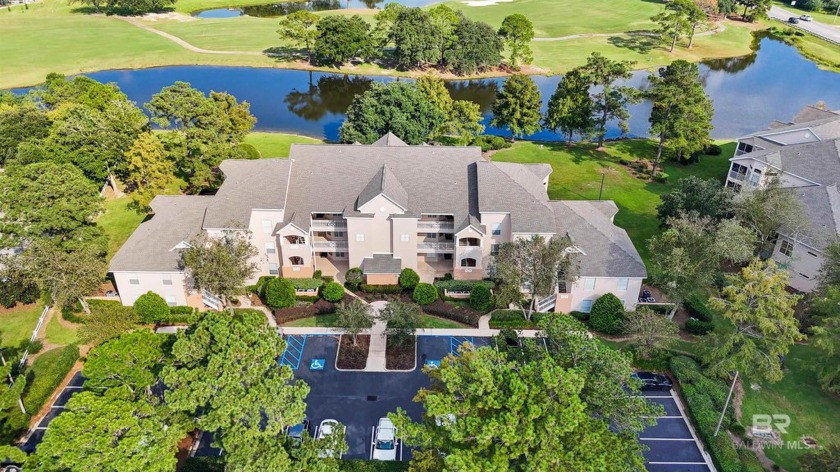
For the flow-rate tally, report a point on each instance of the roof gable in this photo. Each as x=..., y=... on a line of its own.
x=384, y=183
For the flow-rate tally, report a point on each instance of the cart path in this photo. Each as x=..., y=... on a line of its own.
x=185, y=44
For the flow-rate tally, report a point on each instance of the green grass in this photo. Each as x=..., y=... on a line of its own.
x=577, y=174
x=118, y=221
x=57, y=333
x=433, y=322
x=16, y=325
x=276, y=144
x=812, y=412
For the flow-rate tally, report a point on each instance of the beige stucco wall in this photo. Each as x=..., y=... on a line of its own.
x=803, y=265
x=382, y=279
x=405, y=250
x=604, y=285
x=479, y=253
x=151, y=281
x=297, y=272
x=375, y=228
x=468, y=273
x=260, y=235
x=289, y=250
x=490, y=219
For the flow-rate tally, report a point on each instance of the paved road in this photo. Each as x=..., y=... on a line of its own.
x=821, y=29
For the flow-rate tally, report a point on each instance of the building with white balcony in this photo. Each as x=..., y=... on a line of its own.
x=804, y=155
x=385, y=207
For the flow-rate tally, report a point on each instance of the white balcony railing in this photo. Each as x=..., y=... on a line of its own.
x=329, y=245
x=737, y=176
x=437, y=226
x=329, y=225
x=436, y=247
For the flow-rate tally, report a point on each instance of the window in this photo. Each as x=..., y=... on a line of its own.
x=586, y=306
x=497, y=229
x=167, y=279
x=431, y=235
x=269, y=248
x=786, y=248
x=404, y=238
x=623, y=282
x=755, y=178
x=589, y=283
x=134, y=279
x=340, y=254
x=170, y=300
x=296, y=260
x=494, y=249
x=360, y=237
x=272, y=268
x=468, y=262
x=338, y=234
x=266, y=226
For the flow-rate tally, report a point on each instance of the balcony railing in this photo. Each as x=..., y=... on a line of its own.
x=437, y=226
x=329, y=225
x=329, y=245
x=737, y=176
x=436, y=247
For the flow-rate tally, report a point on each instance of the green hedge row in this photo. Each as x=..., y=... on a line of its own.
x=705, y=398
x=698, y=327
x=46, y=373
x=360, y=465
x=697, y=308
x=462, y=285
x=306, y=284
x=513, y=319
x=380, y=288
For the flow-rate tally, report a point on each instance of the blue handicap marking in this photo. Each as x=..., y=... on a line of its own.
x=294, y=351
x=317, y=364
x=455, y=342
x=434, y=364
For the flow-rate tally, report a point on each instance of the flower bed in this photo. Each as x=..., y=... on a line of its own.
x=321, y=307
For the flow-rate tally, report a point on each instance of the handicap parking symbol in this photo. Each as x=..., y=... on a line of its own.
x=433, y=364
x=317, y=364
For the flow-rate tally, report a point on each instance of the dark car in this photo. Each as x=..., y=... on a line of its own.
x=295, y=433
x=793, y=20
x=652, y=381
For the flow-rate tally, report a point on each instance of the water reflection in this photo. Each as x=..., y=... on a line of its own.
x=332, y=94
x=274, y=10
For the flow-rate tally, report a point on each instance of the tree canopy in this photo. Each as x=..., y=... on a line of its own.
x=517, y=106
x=220, y=265
x=518, y=31
x=133, y=361
x=301, y=29
x=341, y=38
x=569, y=109
x=695, y=196
x=612, y=100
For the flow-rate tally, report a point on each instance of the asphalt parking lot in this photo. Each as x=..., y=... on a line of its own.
x=672, y=445
x=37, y=434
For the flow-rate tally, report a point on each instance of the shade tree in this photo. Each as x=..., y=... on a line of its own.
x=517, y=106
x=354, y=317
x=612, y=100
x=301, y=29
x=341, y=38
x=517, y=32
x=570, y=107
x=695, y=196
x=220, y=265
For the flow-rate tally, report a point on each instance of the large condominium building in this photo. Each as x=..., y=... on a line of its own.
x=381, y=207
x=804, y=155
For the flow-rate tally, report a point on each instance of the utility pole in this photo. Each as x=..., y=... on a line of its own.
x=725, y=405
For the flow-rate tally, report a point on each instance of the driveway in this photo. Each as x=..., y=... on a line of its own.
x=820, y=29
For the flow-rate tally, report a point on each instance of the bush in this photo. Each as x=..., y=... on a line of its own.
x=73, y=313
x=249, y=151
x=279, y=293
x=151, y=307
x=353, y=278
x=695, y=326
x=35, y=346
x=480, y=298
x=607, y=315
x=333, y=292
x=259, y=287
x=317, y=274
x=203, y=464
x=713, y=150
x=409, y=279
x=424, y=294
x=453, y=312
x=580, y=316
x=307, y=298
x=661, y=177
x=327, y=278
x=697, y=308
x=490, y=143
x=381, y=288
x=45, y=375
x=307, y=284
x=361, y=465
x=510, y=319
x=462, y=285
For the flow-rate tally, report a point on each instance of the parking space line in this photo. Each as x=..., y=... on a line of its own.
x=677, y=463
x=372, y=433
x=666, y=439
x=455, y=342
x=294, y=351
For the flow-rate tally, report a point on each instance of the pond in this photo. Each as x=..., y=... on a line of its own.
x=273, y=10
x=748, y=92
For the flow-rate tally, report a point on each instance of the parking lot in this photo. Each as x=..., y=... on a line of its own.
x=672, y=445
x=37, y=434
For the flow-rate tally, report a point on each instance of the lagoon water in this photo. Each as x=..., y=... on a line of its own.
x=748, y=92
x=274, y=10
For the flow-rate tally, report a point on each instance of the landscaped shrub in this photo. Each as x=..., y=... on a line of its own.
x=697, y=308
x=46, y=373
x=462, y=285
x=327, y=278
x=510, y=319
x=151, y=307
x=307, y=298
x=333, y=292
x=661, y=177
x=713, y=150
x=179, y=315
x=424, y=294
x=354, y=277
x=409, y=279
x=607, y=315
x=580, y=316
x=34, y=347
x=279, y=293
x=453, y=312
x=317, y=274
x=361, y=465
x=380, y=288
x=307, y=284
x=259, y=287
x=480, y=298
x=698, y=327
x=490, y=143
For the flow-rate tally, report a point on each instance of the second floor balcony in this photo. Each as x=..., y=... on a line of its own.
x=436, y=247
x=329, y=225
x=435, y=226
x=327, y=246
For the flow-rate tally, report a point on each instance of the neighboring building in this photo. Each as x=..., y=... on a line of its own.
x=805, y=156
x=382, y=207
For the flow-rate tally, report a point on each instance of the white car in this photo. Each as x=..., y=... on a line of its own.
x=385, y=442
x=806, y=18
x=326, y=429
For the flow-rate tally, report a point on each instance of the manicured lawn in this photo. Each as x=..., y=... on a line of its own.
x=812, y=412
x=16, y=325
x=60, y=334
x=118, y=221
x=577, y=174
x=276, y=144
x=433, y=322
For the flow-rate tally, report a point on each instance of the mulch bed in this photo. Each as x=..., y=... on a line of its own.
x=350, y=356
x=453, y=312
x=400, y=356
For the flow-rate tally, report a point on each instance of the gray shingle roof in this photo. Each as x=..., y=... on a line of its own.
x=389, y=139
x=249, y=184
x=150, y=247
x=822, y=204
x=498, y=192
x=812, y=113
x=818, y=162
x=609, y=251
x=384, y=183
x=381, y=264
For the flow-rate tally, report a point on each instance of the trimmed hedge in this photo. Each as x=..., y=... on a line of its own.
x=203, y=464
x=409, y=279
x=354, y=277
x=361, y=465
x=580, y=316
x=705, y=398
x=279, y=293
x=307, y=298
x=513, y=319
x=490, y=143
x=607, y=315
x=307, y=284
x=698, y=327
x=480, y=298
x=151, y=307
x=333, y=292
x=424, y=294
x=462, y=285
x=453, y=312
x=697, y=308
x=46, y=374
x=380, y=288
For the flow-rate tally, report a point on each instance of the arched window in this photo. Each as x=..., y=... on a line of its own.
x=296, y=239
x=469, y=242
x=296, y=260
x=468, y=262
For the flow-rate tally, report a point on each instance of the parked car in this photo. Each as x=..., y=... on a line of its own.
x=326, y=429
x=793, y=20
x=295, y=433
x=653, y=381
x=806, y=18
x=385, y=442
